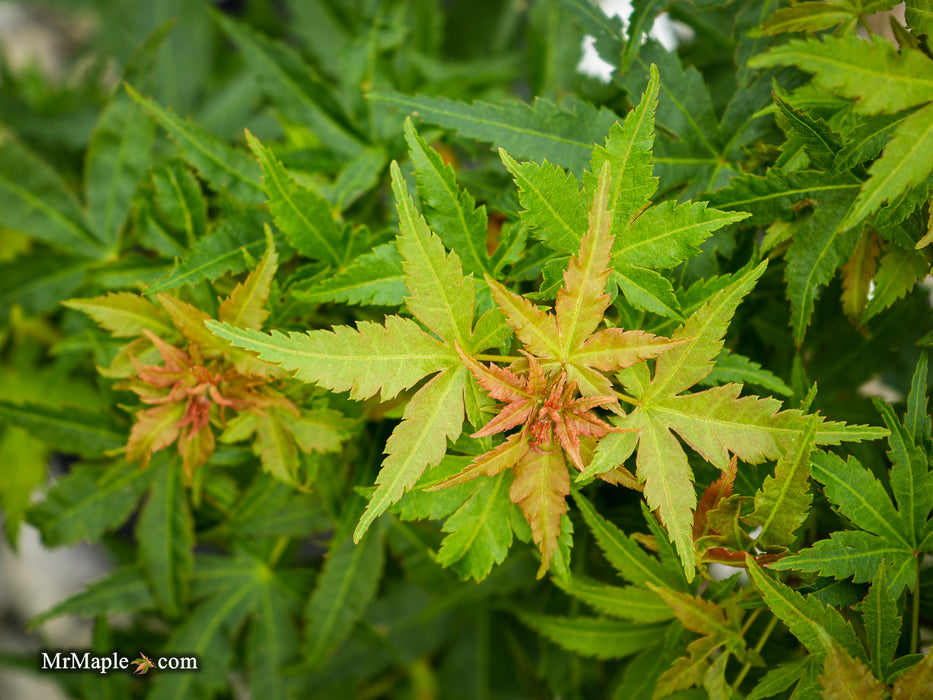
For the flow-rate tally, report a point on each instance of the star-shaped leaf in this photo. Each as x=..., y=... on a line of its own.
x=568, y=337
x=397, y=354
x=889, y=535
x=716, y=423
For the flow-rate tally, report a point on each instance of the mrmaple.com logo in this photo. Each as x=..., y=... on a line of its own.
x=86, y=661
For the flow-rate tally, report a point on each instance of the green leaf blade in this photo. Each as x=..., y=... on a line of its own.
x=432, y=416
x=594, y=637
x=456, y=219
x=346, y=586
x=364, y=360
x=165, y=533
x=562, y=134
x=303, y=215
x=218, y=163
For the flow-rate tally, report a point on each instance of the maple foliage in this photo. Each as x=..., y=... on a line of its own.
x=208, y=387
x=393, y=356
x=715, y=422
x=544, y=402
x=364, y=394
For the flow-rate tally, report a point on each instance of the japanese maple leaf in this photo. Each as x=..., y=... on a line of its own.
x=886, y=532
x=143, y=664
x=395, y=355
x=716, y=423
x=567, y=339
x=553, y=420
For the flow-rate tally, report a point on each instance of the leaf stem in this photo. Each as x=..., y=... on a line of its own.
x=278, y=550
x=758, y=647
x=750, y=621
x=626, y=399
x=915, y=616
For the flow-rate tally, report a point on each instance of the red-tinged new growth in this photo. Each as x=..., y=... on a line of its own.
x=552, y=419
x=188, y=395
x=200, y=388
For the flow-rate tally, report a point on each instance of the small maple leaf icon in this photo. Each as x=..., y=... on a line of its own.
x=143, y=664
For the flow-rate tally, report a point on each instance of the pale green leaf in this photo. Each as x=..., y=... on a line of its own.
x=479, y=532
x=692, y=361
x=783, y=501
x=845, y=678
x=914, y=683
x=432, y=416
x=628, y=150
x=246, y=305
x=364, y=360
x=276, y=449
x=554, y=206
x=124, y=314
x=611, y=452
x=663, y=467
x=441, y=297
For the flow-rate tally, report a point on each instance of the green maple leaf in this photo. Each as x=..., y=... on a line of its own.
x=646, y=238
x=820, y=243
x=397, y=354
x=783, y=502
x=716, y=422
x=881, y=80
x=719, y=626
x=885, y=534
x=566, y=345
x=568, y=338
